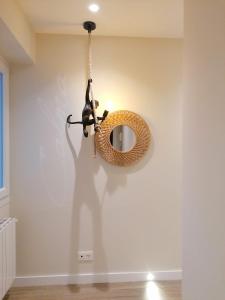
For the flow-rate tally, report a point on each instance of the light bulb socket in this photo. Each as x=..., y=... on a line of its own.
x=89, y=26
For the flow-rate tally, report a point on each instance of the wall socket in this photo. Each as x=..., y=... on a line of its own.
x=85, y=256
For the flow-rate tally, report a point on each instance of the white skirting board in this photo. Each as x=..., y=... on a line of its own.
x=65, y=279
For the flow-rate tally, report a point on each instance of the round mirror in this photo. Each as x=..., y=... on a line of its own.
x=122, y=138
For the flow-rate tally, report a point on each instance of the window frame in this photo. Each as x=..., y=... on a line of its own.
x=4, y=192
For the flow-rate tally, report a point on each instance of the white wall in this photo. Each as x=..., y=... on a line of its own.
x=204, y=150
x=4, y=211
x=64, y=199
x=17, y=38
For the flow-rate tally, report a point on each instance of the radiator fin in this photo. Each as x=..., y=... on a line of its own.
x=7, y=254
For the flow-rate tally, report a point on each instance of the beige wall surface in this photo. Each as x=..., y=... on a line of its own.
x=204, y=148
x=17, y=39
x=4, y=211
x=65, y=199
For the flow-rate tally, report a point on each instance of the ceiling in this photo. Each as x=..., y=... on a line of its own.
x=139, y=18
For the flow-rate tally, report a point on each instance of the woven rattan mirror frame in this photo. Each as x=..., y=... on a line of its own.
x=139, y=127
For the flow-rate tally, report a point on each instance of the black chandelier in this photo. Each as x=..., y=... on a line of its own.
x=89, y=116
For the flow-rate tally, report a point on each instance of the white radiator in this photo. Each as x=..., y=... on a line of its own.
x=7, y=254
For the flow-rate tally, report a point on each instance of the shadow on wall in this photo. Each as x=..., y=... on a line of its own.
x=85, y=193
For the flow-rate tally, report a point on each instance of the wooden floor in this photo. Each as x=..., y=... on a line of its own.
x=113, y=291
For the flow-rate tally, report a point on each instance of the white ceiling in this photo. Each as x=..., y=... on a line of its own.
x=140, y=18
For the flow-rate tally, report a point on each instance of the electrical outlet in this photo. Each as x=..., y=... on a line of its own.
x=85, y=256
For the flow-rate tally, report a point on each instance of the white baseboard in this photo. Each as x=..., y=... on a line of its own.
x=65, y=279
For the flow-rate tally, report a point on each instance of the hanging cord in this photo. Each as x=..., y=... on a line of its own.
x=89, y=56
x=97, y=126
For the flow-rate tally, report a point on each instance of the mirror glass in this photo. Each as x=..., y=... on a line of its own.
x=122, y=138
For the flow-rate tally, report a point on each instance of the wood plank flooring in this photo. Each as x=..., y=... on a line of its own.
x=113, y=291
